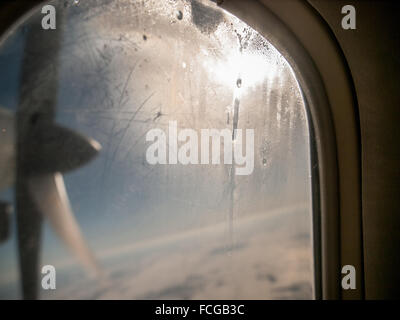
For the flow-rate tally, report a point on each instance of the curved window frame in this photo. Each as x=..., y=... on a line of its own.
x=305, y=40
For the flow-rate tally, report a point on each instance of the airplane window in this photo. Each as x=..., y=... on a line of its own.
x=201, y=188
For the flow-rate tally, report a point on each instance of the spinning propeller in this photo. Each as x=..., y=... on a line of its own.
x=35, y=152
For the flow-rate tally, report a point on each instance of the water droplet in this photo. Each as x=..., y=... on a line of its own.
x=76, y=2
x=264, y=162
x=239, y=82
x=179, y=15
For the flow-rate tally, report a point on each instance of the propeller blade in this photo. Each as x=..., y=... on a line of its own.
x=50, y=196
x=29, y=227
x=7, y=153
x=52, y=148
x=5, y=221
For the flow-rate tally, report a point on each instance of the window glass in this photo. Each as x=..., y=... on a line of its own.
x=201, y=223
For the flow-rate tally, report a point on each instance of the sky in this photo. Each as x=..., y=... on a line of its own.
x=125, y=69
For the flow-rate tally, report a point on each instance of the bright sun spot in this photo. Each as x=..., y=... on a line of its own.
x=250, y=68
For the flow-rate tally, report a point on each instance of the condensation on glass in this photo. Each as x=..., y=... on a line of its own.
x=173, y=231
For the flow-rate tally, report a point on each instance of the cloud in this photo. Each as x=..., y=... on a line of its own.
x=271, y=259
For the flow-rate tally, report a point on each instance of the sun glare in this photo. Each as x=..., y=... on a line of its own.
x=250, y=69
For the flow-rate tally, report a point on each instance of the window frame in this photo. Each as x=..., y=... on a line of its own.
x=302, y=36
